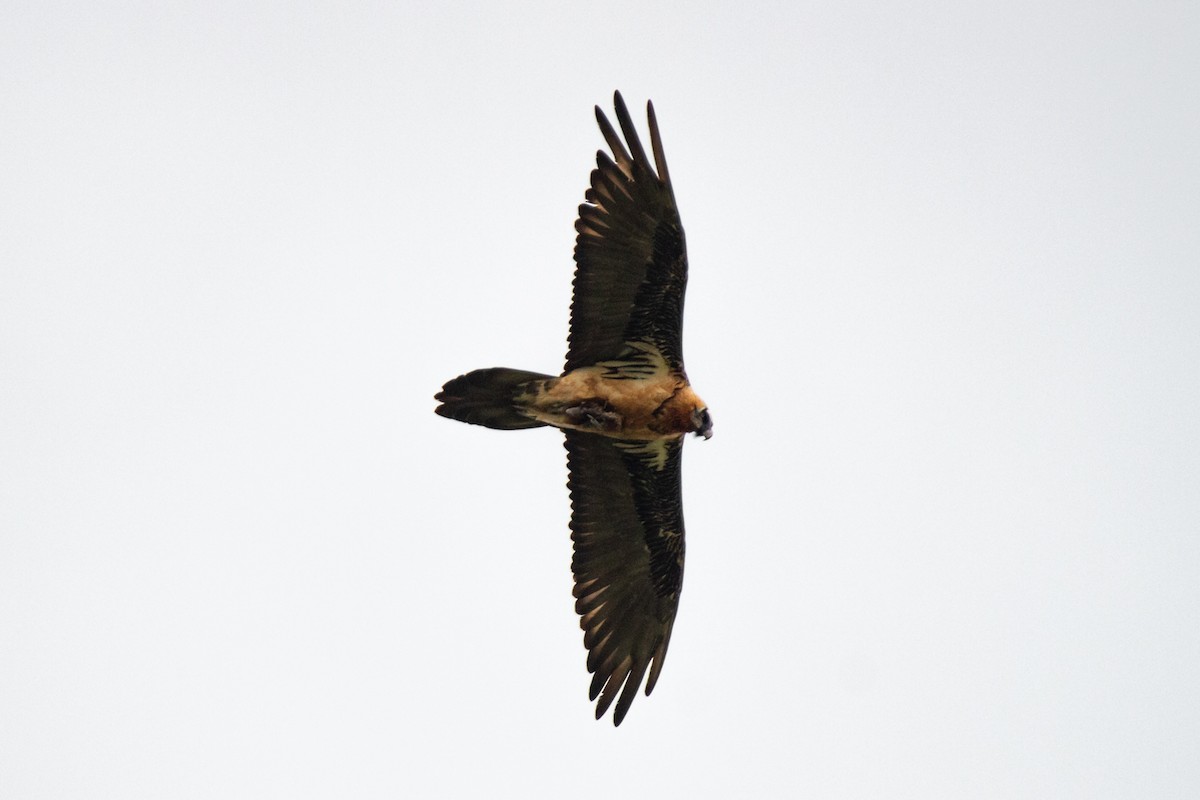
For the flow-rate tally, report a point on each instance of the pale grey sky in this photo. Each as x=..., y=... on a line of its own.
x=944, y=305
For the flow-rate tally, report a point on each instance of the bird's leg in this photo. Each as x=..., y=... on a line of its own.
x=594, y=414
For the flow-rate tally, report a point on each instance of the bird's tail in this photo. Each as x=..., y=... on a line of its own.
x=489, y=397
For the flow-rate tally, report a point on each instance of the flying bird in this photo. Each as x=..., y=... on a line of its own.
x=625, y=405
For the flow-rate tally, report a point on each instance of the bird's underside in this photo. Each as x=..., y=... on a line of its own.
x=624, y=403
x=635, y=397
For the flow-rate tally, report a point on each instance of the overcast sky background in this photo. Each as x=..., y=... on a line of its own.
x=944, y=306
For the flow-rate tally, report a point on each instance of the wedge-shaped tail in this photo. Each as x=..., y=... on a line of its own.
x=488, y=397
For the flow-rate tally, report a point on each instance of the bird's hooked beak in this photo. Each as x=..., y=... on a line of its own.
x=702, y=421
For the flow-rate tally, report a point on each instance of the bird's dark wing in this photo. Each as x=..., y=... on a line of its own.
x=627, y=526
x=631, y=261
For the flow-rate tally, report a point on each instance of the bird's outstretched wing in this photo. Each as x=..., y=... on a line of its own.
x=627, y=526
x=630, y=255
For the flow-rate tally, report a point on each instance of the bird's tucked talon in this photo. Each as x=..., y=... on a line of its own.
x=595, y=415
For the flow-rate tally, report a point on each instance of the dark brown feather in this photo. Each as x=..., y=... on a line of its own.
x=627, y=526
x=630, y=253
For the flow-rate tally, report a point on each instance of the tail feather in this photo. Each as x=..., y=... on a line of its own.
x=488, y=397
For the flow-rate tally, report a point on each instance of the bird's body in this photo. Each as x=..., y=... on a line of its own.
x=625, y=404
x=618, y=399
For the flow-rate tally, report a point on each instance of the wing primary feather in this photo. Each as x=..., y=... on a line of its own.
x=607, y=180
x=614, y=143
x=613, y=661
x=631, y=689
x=611, y=621
x=660, y=159
x=597, y=654
x=619, y=676
x=631, y=135
x=598, y=681
x=660, y=655
x=607, y=172
x=609, y=624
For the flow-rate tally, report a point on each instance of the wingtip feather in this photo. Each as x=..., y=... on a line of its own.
x=627, y=128
x=629, y=693
x=656, y=145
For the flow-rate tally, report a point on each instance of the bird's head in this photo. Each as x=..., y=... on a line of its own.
x=702, y=423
